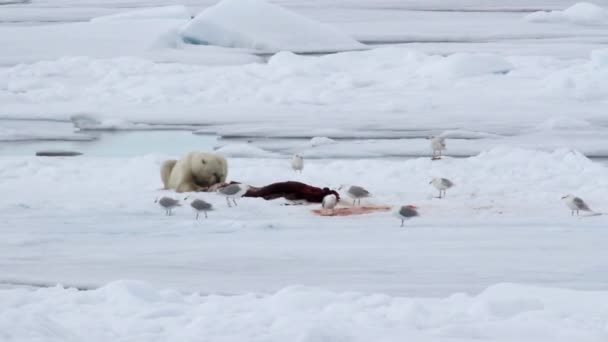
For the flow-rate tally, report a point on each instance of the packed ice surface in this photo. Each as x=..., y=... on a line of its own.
x=260, y=25
x=584, y=13
x=525, y=98
x=384, y=93
x=137, y=311
x=165, y=12
x=90, y=220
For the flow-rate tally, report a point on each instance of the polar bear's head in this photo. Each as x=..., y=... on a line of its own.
x=207, y=168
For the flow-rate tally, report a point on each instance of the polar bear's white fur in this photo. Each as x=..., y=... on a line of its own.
x=194, y=171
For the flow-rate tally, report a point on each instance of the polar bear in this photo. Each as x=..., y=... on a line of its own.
x=194, y=171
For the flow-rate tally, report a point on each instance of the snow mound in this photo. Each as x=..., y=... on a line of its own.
x=84, y=122
x=259, y=25
x=467, y=65
x=583, y=13
x=135, y=312
x=243, y=151
x=320, y=141
x=164, y=12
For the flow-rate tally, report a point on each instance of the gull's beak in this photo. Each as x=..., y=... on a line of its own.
x=156, y=200
x=430, y=182
x=564, y=197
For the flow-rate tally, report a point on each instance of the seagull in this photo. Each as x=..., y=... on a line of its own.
x=168, y=204
x=233, y=191
x=438, y=145
x=575, y=204
x=357, y=193
x=406, y=212
x=329, y=203
x=199, y=205
x=297, y=163
x=441, y=184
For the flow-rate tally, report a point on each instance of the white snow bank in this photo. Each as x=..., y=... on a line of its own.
x=584, y=13
x=353, y=93
x=164, y=12
x=319, y=141
x=259, y=25
x=135, y=311
x=504, y=211
x=83, y=122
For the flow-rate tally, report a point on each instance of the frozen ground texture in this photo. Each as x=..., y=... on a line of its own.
x=135, y=311
x=382, y=93
x=524, y=94
x=92, y=221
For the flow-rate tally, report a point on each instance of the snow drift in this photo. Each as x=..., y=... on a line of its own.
x=258, y=25
x=135, y=311
x=583, y=13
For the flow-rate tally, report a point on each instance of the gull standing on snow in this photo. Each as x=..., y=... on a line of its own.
x=233, y=191
x=357, y=193
x=441, y=184
x=168, y=204
x=575, y=204
x=297, y=163
x=199, y=205
x=329, y=203
x=438, y=146
x=406, y=212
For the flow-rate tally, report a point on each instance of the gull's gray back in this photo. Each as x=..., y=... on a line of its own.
x=580, y=204
x=407, y=212
x=200, y=205
x=446, y=183
x=231, y=189
x=357, y=191
x=168, y=202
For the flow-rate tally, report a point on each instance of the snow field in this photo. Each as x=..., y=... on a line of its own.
x=71, y=217
x=510, y=181
x=537, y=83
x=135, y=311
x=539, y=88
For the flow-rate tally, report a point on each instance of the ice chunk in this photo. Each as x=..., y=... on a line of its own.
x=85, y=122
x=258, y=25
x=164, y=12
x=319, y=141
x=579, y=13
